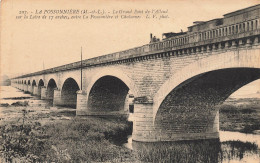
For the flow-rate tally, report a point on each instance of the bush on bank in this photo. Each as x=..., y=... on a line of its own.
x=242, y=118
x=75, y=140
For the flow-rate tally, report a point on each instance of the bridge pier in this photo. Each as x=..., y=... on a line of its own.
x=214, y=47
x=25, y=88
x=43, y=93
x=39, y=88
x=219, y=46
x=193, y=128
x=233, y=44
x=81, y=102
x=35, y=90
x=256, y=40
x=248, y=42
x=30, y=89
x=57, y=97
x=240, y=42
x=143, y=128
x=227, y=44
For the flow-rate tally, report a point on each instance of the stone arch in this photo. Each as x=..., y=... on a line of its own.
x=109, y=93
x=51, y=86
x=34, y=83
x=69, y=92
x=54, y=76
x=41, y=82
x=74, y=75
x=40, y=85
x=33, y=86
x=118, y=74
x=29, y=82
x=243, y=61
x=115, y=84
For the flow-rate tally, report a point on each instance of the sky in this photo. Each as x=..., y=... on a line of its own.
x=29, y=45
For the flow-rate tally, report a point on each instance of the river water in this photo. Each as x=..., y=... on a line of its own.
x=231, y=147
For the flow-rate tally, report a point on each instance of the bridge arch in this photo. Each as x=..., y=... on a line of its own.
x=33, y=85
x=74, y=75
x=51, y=86
x=40, y=85
x=41, y=82
x=113, y=87
x=69, y=92
x=200, y=86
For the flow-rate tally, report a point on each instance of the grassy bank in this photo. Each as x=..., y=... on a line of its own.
x=40, y=134
x=76, y=139
x=240, y=115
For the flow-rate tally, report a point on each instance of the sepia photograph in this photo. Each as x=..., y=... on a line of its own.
x=162, y=81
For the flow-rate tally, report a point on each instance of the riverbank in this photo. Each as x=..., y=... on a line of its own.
x=39, y=135
x=240, y=115
x=32, y=131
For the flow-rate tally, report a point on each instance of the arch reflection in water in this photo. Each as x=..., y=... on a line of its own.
x=203, y=151
x=181, y=151
x=238, y=150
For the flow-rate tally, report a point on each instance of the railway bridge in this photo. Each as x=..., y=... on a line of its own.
x=171, y=86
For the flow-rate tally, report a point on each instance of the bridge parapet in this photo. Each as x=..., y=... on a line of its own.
x=236, y=29
x=239, y=40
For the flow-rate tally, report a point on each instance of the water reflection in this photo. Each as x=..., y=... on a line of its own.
x=182, y=151
x=237, y=150
x=211, y=151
